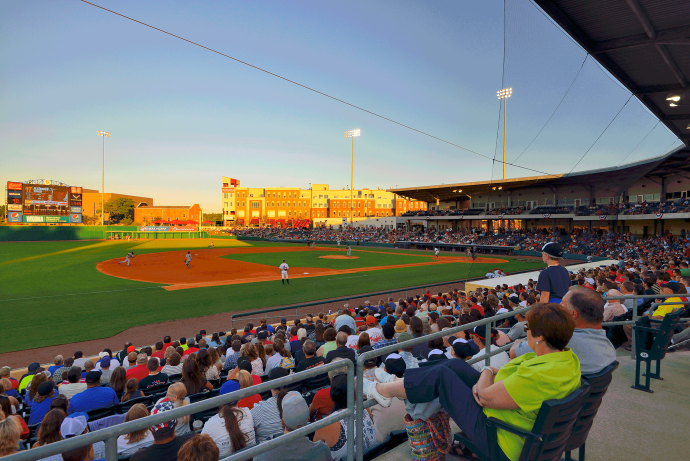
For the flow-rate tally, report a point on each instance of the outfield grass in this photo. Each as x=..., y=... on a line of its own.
x=312, y=258
x=51, y=292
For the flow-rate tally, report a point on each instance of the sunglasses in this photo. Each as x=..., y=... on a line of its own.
x=526, y=327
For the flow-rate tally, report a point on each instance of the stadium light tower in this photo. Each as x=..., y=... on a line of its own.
x=504, y=94
x=103, y=134
x=352, y=134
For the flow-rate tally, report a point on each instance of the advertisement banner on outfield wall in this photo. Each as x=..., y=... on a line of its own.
x=183, y=229
x=153, y=229
x=13, y=216
x=14, y=207
x=75, y=209
x=45, y=219
x=75, y=218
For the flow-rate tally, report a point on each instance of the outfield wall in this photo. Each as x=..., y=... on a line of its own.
x=565, y=255
x=343, y=243
x=46, y=233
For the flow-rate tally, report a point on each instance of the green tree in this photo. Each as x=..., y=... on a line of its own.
x=2, y=213
x=213, y=217
x=119, y=208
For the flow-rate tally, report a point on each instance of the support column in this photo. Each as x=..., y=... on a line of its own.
x=591, y=196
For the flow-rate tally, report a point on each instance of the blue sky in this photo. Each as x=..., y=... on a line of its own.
x=181, y=117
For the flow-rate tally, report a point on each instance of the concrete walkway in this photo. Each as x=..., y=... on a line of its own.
x=631, y=424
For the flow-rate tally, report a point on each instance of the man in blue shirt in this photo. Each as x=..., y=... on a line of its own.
x=94, y=396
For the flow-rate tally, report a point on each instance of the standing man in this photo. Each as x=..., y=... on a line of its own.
x=210, y=246
x=127, y=258
x=436, y=251
x=349, y=251
x=284, y=272
x=554, y=281
x=188, y=259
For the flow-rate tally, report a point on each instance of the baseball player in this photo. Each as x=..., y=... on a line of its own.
x=188, y=259
x=211, y=245
x=127, y=258
x=313, y=244
x=349, y=251
x=436, y=251
x=338, y=242
x=284, y=272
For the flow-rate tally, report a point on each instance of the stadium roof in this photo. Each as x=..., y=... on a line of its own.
x=615, y=179
x=645, y=44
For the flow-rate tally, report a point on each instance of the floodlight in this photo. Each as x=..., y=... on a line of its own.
x=353, y=133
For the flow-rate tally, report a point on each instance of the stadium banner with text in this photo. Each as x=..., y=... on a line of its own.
x=75, y=209
x=14, y=216
x=14, y=193
x=75, y=218
x=14, y=207
x=45, y=219
x=153, y=228
x=15, y=185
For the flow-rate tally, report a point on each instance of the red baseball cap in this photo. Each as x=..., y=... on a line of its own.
x=371, y=320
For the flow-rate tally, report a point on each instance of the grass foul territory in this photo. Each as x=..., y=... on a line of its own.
x=77, y=291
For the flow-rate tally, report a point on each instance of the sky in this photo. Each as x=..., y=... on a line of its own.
x=181, y=117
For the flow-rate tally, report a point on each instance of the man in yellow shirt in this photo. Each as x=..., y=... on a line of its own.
x=668, y=305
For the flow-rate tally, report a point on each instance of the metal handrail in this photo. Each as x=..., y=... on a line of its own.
x=109, y=435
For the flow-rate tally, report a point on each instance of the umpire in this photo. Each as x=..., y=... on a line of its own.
x=554, y=281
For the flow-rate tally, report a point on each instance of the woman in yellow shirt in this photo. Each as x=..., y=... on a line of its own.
x=513, y=394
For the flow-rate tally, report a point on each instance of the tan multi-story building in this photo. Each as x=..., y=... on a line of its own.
x=146, y=214
x=254, y=206
x=92, y=201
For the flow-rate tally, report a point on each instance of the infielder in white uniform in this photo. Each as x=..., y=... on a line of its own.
x=349, y=251
x=127, y=258
x=436, y=251
x=338, y=242
x=188, y=259
x=284, y=272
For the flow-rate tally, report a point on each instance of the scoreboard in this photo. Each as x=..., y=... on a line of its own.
x=43, y=201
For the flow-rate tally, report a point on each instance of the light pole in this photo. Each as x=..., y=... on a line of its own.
x=103, y=134
x=504, y=94
x=352, y=134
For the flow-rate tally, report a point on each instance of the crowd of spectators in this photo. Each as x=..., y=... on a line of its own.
x=49, y=404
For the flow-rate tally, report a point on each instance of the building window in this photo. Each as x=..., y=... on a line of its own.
x=225, y=195
x=283, y=204
x=242, y=203
x=256, y=204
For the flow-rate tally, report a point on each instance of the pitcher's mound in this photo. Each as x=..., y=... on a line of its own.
x=338, y=257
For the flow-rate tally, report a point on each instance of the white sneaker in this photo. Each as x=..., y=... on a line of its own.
x=382, y=376
x=371, y=393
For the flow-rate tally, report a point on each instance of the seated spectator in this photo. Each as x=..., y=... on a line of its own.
x=245, y=380
x=155, y=377
x=75, y=425
x=311, y=360
x=61, y=372
x=322, y=404
x=31, y=371
x=73, y=385
x=388, y=333
x=207, y=363
x=5, y=372
x=191, y=347
x=613, y=308
x=159, y=353
x=369, y=365
x=248, y=350
x=140, y=371
x=295, y=343
x=128, y=444
x=58, y=362
x=105, y=370
x=7, y=407
x=130, y=360
x=33, y=386
x=518, y=331
x=265, y=413
x=94, y=396
x=589, y=342
x=335, y=435
x=173, y=365
x=49, y=430
x=88, y=366
x=165, y=442
x=79, y=359
x=232, y=355
x=193, y=379
x=667, y=306
x=329, y=342
x=6, y=388
x=61, y=403
x=513, y=394
x=10, y=431
x=131, y=390
x=177, y=394
x=319, y=339
x=118, y=380
x=232, y=428
x=406, y=353
x=200, y=447
x=498, y=360
x=341, y=350
x=294, y=413
x=281, y=358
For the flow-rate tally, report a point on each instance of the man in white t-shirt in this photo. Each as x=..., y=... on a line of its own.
x=284, y=272
x=373, y=330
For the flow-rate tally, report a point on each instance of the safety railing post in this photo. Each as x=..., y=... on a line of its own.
x=487, y=342
x=634, y=318
x=359, y=410
x=111, y=449
x=351, y=418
